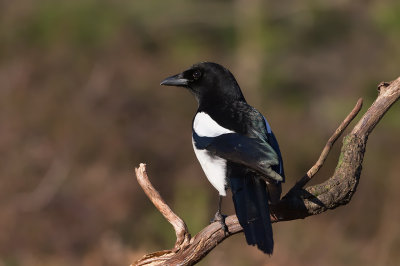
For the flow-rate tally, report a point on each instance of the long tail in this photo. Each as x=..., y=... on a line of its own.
x=250, y=198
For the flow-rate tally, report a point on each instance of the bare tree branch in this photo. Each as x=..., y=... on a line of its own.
x=298, y=203
x=182, y=234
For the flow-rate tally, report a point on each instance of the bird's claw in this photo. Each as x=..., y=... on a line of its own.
x=221, y=219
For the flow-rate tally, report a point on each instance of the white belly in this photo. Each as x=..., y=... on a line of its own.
x=214, y=168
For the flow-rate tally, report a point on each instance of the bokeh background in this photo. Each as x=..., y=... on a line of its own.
x=81, y=106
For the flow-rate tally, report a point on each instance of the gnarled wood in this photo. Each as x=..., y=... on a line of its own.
x=298, y=203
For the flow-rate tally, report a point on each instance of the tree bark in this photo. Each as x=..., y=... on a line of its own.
x=298, y=203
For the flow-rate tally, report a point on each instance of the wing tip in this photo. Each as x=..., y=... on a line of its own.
x=262, y=240
x=265, y=248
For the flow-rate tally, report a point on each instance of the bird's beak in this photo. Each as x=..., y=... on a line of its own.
x=176, y=80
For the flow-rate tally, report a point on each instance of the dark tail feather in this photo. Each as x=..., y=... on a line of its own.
x=250, y=198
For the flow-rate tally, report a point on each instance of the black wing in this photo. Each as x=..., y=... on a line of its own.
x=254, y=153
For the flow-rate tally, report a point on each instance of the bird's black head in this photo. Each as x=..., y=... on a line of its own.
x=210, y=83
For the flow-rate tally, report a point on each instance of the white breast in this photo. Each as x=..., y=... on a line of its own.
x=205, y=126
x=214, y=167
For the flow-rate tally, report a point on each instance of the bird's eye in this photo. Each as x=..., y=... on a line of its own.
x=196, y=74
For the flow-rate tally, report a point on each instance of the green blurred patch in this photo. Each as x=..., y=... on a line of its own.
x=387, y=17
x=9, y=261
x=161, y=230
x=82, y=23
x=392, y=118
x=325, y=26
x=289, y=91
x=192, y=203
x=191, y=42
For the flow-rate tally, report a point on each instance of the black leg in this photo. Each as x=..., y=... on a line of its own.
x=219, y=217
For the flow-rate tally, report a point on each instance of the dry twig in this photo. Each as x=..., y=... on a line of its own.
x=298, y=203
x=328, y=146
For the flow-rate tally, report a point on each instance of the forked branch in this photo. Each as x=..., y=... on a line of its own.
x=298, y=203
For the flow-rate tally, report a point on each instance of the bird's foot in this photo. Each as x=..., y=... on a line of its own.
x=221, y=219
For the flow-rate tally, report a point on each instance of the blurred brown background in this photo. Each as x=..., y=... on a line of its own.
x=81, y=106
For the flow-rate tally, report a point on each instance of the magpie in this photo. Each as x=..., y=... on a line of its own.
x=236, y=148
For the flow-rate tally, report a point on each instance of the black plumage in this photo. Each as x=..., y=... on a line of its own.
x=236, y=148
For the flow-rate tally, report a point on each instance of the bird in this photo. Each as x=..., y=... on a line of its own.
x=236, y=148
